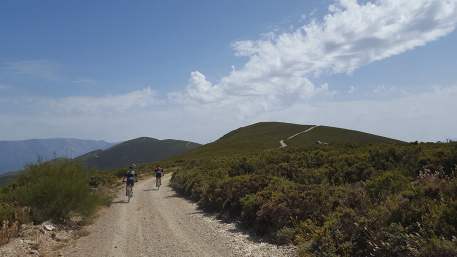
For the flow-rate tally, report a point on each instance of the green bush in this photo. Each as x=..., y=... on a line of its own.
x=7, y=212
x=338, y=200
x=439, y=248
x=241, y=168
x=53, y=191
x=447, y=222
x=386, y=183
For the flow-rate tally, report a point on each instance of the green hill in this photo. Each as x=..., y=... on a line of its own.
x=7, y=178
x=331, y=135
x=267, y=135
x=140, y=150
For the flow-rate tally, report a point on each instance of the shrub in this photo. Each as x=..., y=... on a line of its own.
x=447, y=222
x=285, y=235
x=241, y=168
x=439, y=248
x=54, y=190
x=7, y=212
x=337, y=200
x=386, y=183
x=250, y=206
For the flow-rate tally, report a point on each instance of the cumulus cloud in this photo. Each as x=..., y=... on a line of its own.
x=352, y=35
x=200, y=89
x=280, y=69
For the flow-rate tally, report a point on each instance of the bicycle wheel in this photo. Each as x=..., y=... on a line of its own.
x=129, y=193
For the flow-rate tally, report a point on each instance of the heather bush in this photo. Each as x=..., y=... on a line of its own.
x=342, y=200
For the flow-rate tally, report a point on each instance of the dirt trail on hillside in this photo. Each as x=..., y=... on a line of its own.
x=160, y=223
x=283, y=144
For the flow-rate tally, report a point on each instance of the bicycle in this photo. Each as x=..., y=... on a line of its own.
x=129, y=178
x=158, y=182
x=129, y=192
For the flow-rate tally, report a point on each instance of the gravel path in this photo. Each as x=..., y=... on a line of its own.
x=283, y=144
x=303, y=132
x=159, y=223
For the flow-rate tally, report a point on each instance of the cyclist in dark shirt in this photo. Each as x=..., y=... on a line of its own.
x=130, y=177
x=158, y=173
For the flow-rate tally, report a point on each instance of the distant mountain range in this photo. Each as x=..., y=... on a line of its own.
x=14, y=155
x=138, y=151
x=104, y=156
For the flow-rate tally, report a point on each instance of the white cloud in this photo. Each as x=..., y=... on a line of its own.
x=201, y=89
x=105, y=104
x=382, y=90
x=280, y=69
x=41, y=69
x=352, y=35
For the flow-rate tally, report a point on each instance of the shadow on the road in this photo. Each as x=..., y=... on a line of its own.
x=225, y=219
x=237, y=226
x=184, y=197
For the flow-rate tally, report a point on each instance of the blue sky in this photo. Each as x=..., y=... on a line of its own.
x=124, y=46
x=194, y=70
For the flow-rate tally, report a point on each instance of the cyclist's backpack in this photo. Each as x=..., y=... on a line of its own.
x=130, y=175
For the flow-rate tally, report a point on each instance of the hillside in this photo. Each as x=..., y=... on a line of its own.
x=140, y=150
x=332, y=135
x=16, y=154
x=8, y=177
x=267, y=135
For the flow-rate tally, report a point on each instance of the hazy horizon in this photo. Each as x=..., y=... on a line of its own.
x=217, y=137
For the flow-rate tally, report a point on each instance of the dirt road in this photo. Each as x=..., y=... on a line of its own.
x=283, y=144
x=160, y=223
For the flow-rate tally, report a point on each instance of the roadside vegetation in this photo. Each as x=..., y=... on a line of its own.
x=54, y=191
x=346, y=200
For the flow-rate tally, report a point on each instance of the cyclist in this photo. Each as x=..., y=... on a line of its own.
x=159, y=173
x=130, y=177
